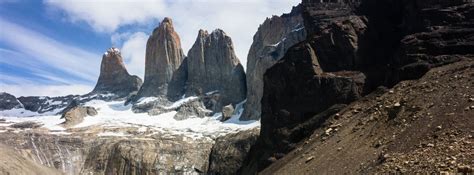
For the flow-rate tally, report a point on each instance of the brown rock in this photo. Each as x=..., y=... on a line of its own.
x=163, y=57
x=114, y=77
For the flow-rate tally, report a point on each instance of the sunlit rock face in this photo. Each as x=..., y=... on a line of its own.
x=213, y=66
x=114, y=77
x=270, y=43
x=163, y=57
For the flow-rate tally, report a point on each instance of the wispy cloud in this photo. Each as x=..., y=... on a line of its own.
x=34, y=89
x=238, y=18
x=47, y=57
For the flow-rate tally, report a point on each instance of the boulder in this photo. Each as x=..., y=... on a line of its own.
x=270, y=43
x=213, y=66
x=163, y=57
x=230, y=150
x=194, y=108
x=8, y=101
x=227, y=112
x=114, y=77
x=75, y=115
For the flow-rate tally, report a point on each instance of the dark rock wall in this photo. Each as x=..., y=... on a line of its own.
x=353, y=47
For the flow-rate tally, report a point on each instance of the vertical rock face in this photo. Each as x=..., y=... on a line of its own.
x=271, y=41
x=213, y=66
x=352, y=47
x=163, y=57
x=114, y=77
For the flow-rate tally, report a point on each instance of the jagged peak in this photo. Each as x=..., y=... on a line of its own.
x=218, y=32
x=202, y=33
x=112, y=51
x=167, y=20
x=166, y=26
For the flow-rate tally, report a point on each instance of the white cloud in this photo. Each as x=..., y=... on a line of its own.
x=238, y=18
x=133, y=53
x=45, y=90
x=108, y=15
x=42, y=50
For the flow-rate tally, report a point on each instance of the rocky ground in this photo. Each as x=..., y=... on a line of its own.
x=100, y=149
x=418, y=126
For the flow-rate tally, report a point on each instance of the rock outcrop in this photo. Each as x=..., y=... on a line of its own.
x=229, y=152
x=9, y=101
x=163, y=57
x=270, y=44
x=114, y=77
x=352, y=47
x=213, y=66
x=75, y=114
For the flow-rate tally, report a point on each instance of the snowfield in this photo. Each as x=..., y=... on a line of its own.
x=115, y=114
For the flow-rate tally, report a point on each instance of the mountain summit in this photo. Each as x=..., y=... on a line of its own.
x=163, y=57
x=114, y=77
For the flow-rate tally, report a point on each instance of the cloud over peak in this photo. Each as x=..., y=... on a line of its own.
x=239, y=18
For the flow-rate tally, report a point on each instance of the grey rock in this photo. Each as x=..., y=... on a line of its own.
x=195, y=108
x=163, y=57
x=114, y=77
x=46, y=104
x=270, y=43
x=213, y=66
x=177, y=85
x=227, y=112
x=229, y=151
x=8, y=101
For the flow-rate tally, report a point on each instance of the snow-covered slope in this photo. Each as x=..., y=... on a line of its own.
x=114, y=114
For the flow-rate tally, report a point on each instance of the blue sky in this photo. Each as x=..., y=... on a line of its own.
x=54, y=47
